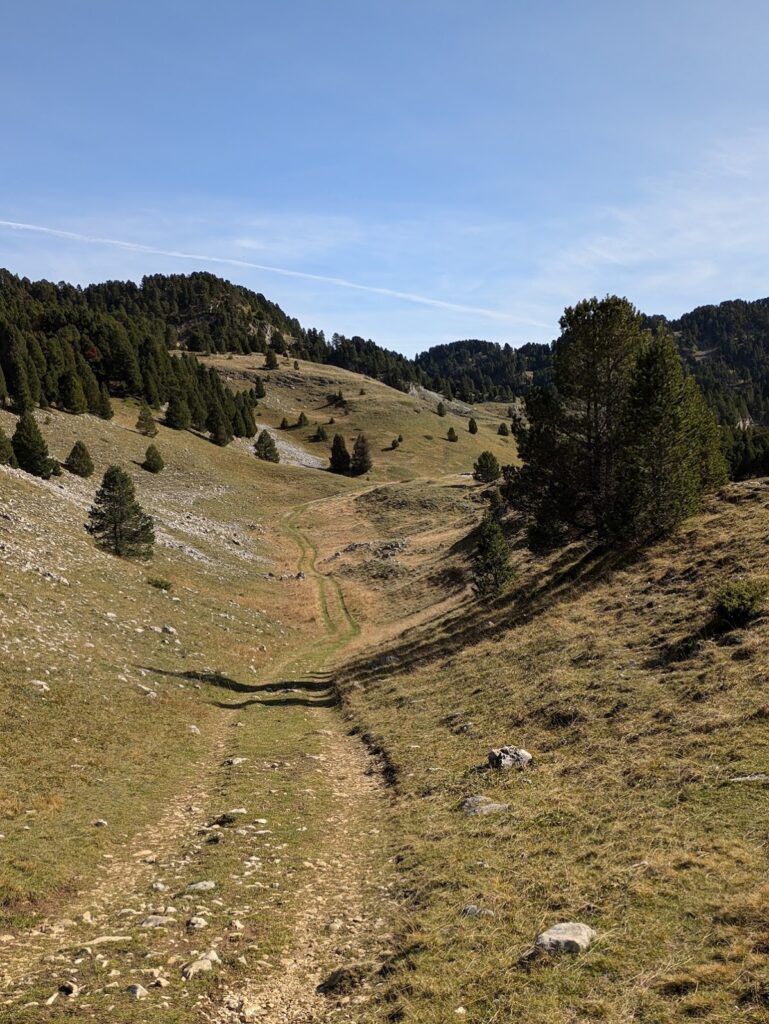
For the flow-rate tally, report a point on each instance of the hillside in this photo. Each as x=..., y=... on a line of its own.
x=337, y=843
x=119, y=334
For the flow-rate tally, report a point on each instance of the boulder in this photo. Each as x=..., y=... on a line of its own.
x=509, y=757
x=566, y=937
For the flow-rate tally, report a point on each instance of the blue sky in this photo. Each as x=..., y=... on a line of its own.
x=413, y=171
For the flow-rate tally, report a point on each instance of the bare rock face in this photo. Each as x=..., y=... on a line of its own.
x=509, y=757
x=566, y=937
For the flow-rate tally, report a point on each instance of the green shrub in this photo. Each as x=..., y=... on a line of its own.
x=739, y=601
x=159, y=583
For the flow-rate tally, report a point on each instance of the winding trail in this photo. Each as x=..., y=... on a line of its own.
x=334, y=914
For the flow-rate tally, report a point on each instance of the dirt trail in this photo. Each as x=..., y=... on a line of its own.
x=339, y=923
x=334, y=917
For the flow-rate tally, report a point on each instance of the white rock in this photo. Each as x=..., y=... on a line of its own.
x=197, y=922
x=509, y=757
x=201, y=886
x=566, y=937
x=203, y=963
x=137, y=991
x=40, y=686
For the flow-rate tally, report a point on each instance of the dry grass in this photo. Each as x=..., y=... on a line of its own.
x=638, y=719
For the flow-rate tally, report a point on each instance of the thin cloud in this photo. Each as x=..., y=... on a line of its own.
x=340, y=282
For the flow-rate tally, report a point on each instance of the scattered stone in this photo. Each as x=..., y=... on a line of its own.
x=100, y=823
x=137, y=991
x=160, y=983
x=566, y=937
x=753, y=777
x=69, y=988
x=203, y=963
x=194, y=730
x=159, y=886
x=157, y=921
x=233, y=762
x=509, y=757
x=197, y=922
x=40, y=686
x=170, y=630
x=480, y=805
x=473, y=911
x=201, y=886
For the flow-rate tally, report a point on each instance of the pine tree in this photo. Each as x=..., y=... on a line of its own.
x=441, y=410
x=271, y=360
x=72, y=394
x=503, y=430
x=472, y=427
x=7, y=454
x=265, y=447
x=320, y=433
x=284, y=424
x=360, y=463
x=340, y=457
x=259, y=390
x=117, y=521
x=486, y=469
x=79, y=460
x=105, y=405
x=218, y=426
x=492, y=558
x=153, y=460
x=145, y=424
x=302, y=421
x=178, y=415
x=30, y=449
x=668, y=457
x=451, y=435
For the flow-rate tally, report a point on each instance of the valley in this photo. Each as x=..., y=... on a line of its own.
x=287, y=707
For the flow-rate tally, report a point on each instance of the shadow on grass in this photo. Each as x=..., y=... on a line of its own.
x=315, y=691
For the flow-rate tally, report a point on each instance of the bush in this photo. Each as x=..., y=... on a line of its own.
x=451, y=435
x=153, y=460
x=486, y=469
x=79, y=460
x=159, y=583
x=739, y=601
x=265, y=448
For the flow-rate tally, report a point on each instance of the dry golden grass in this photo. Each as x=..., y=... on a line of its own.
x=638, y=718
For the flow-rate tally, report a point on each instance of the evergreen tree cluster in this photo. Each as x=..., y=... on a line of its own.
x=623, y=444
x=72, y=348
x=345, y=464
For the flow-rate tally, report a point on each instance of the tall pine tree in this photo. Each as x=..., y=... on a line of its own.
x=116, y=520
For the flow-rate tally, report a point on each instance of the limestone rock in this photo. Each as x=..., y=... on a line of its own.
x=509, y=757
x=205, y=886
x=157, y=921
x=137, y=991
x=566, y=937
x=481, y=805
x=202, y=964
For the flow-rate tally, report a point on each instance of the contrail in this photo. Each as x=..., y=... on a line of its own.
x=340, y=282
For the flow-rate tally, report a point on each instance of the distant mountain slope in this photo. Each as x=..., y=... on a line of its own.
x=123, y=331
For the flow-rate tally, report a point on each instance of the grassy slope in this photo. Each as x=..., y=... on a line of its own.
x=629, y=822
x=382, y=413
